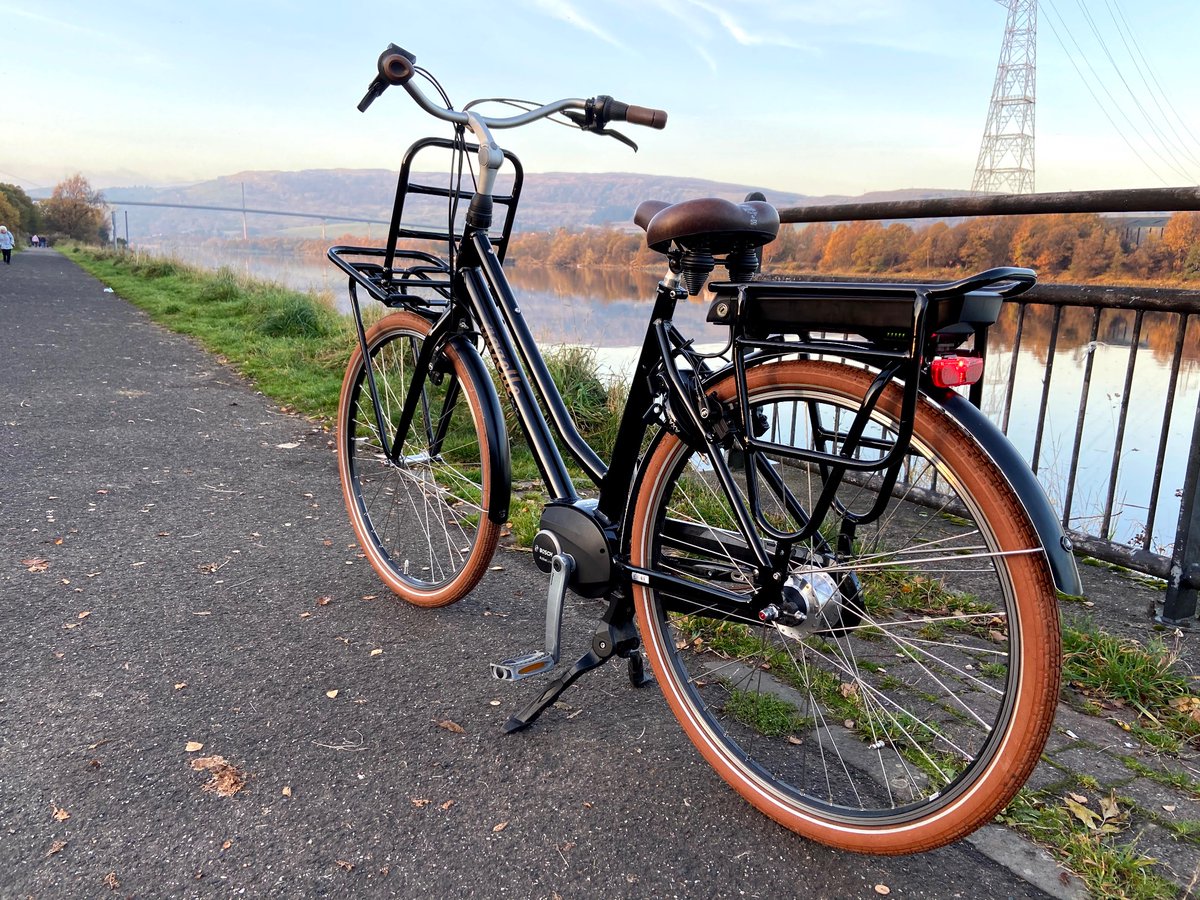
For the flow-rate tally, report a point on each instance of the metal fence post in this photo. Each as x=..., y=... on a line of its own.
x=1179, y=606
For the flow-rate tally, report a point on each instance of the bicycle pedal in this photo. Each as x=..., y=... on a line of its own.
x=523, y=666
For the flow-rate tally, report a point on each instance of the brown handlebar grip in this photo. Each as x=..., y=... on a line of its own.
x=644, y=115
x=395, y=68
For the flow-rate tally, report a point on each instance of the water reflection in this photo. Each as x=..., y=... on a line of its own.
x=609, y=308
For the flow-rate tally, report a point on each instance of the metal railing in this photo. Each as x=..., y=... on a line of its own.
x=1162, y=307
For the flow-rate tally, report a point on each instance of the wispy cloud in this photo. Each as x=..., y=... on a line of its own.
x=564, y=11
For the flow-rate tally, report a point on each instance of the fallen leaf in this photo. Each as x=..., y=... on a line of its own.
x=61, y=815
x=447, y=804
x=792, y=739
x=324, y=601
x=287, y=790
x=370, y=596
x=331, y=694
x=290, y=445
x=343, y=864
x=500, y=827
x=192, y=746
x=180, y=685
x=450, y=726
x=227, y=845
x=1078, y=798
x=226, y=779
x=35, y=564
x=70, y=625
x=305, y=615
x=420, y=802
x=56, y=847
x=83, y=615
x=1108, y=807
x=849, y=691
x=1169, y=807
x=1088, y=817
x=110, y=881
x=376, y=651
x=882, y=889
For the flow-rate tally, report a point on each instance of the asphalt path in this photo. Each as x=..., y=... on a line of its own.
x=177, y=569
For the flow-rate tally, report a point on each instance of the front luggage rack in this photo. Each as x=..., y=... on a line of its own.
x=413, y=268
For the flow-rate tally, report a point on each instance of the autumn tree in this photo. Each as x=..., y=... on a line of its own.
x=839, y=249
x=1181, y=237
x=937, y=247
x=9, y=215
x=987, y=242
x=25, y=216
x=76, y=210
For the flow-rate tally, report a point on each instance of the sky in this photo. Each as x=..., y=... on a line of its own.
x=813, y=96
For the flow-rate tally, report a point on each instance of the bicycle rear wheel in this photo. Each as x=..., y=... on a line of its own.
x=422, y=520
x=911, y=710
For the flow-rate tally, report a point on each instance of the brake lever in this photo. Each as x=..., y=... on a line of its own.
x=588, y=123
x=608, y=132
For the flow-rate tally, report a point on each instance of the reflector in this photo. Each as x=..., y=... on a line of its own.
x=955, y=371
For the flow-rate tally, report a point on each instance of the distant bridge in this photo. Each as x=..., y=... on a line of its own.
x=247, y=210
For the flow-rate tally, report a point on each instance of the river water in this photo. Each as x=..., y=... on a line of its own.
x=608, y=309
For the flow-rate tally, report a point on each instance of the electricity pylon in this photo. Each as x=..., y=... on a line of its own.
x=1006, y=153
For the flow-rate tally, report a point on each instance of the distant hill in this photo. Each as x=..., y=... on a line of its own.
x=549, y=200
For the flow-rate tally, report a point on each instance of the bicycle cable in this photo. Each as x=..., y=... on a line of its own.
x=456, y=170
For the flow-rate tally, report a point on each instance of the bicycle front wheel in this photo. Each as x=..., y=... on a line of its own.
x=913, y=706
x=420, y=517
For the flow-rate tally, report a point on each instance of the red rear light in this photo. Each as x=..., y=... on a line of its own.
x=955, y=371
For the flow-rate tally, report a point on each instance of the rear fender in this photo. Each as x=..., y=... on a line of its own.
x=1016, y=471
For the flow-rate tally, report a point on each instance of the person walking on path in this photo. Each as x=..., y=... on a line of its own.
x=6, y=244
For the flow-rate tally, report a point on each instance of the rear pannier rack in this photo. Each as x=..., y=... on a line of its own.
x=897, y=325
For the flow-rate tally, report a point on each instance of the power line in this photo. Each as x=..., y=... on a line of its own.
x=1175, y=163
x=1086, y=84
x=1144, y=67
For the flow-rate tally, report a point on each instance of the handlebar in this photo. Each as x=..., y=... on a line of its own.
x=396, y=67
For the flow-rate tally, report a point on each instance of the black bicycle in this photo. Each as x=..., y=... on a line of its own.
x=842, y=574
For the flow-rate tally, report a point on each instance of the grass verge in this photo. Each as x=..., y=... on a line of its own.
x=292, y=345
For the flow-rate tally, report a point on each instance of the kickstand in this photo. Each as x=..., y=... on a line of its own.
x=638, y=674
x=620, y=638
x=525, y=717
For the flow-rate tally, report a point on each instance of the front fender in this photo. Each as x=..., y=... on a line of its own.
x=493, y=420
x=1022, y=480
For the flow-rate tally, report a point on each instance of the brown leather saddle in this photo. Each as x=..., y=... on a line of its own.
x=696, y=235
